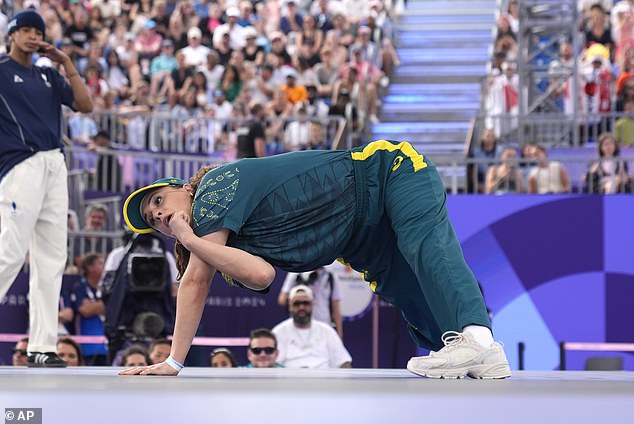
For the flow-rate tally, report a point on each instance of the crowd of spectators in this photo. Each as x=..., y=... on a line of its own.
x=194, y=60
x=601, y=100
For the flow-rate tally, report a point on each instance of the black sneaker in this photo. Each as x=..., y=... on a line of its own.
x=44, y=360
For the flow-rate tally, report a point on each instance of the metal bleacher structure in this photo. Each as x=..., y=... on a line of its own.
x=443, y=46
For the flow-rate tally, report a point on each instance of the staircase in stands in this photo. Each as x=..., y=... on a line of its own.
x=443, y=46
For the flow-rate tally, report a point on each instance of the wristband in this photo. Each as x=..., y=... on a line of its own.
x=174, y=363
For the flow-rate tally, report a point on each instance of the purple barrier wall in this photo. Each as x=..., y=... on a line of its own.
x=552, y=268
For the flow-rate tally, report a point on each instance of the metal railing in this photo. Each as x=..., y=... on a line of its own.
x=552, y=129
x=134, y=169
x=166, y=133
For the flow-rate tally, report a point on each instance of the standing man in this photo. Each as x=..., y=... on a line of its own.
x=252, y=136
x=33, y=186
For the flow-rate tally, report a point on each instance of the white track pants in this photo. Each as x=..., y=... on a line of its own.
x=33, y=217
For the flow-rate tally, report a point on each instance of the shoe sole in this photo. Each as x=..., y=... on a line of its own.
x=481, y=372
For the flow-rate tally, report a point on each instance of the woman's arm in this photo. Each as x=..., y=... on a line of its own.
x=190, y=303
x=249, y=269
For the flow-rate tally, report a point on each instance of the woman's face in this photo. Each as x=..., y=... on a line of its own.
x=608, y=147
x=68, y=354
x=220, y=360
x=159, y=206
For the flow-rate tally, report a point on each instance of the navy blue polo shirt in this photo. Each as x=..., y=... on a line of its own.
x=31, y=100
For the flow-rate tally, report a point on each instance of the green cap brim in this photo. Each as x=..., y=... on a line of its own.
x=132, y=206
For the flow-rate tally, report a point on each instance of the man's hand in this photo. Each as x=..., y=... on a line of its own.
x=48, y=50
x=157, y=369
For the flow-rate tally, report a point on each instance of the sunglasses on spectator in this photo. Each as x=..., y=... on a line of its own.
x=22, y=352
x=258, y=350
x=302, y=303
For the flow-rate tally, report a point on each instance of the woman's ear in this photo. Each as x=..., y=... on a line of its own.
x=189, y=189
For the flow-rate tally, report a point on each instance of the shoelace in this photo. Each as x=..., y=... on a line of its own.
x=450, y=339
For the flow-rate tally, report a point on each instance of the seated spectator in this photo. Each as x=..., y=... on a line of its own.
x=181, y=74
x=162, y=66
x=69, y=351
x=294, y=93
x=232, y=28
x=115, y=76
x=485, y=154
x=345, y=107
x=212, y=69
x=598, y=31
x=263, y=86
x=252, y=51
x=278, y=48
x=307, y=343
x=505, y=177
x=89, y=308
x=316, y=108
x=297, y=133
x=159, y=350
x=195, y=53
x=609, y=174
x=96, y=218
x=262, y=350
x=624, y=127
x=18, y=358
x=310, y=37
x=79, y=32
x=222, y=358
x=326, y=73
x=95, y=221
x=292, y=20
x=230, y=83
x=176, y=31
x=318, y=138
x=548, y=176
x=135, y=356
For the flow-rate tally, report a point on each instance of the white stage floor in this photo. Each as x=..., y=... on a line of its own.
x=205, y=395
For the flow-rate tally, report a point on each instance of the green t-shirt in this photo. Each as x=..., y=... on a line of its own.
x=294, y=210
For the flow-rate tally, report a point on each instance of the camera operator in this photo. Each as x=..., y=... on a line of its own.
x=138, y=286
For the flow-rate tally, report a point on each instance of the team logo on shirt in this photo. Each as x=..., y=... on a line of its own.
x=17, y=79
x=48, y=84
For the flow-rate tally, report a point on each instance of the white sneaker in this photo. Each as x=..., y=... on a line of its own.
x=462, y=356
x=374, y=119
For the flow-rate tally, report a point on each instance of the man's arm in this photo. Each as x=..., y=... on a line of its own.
x=90, y=308
x=82, y=102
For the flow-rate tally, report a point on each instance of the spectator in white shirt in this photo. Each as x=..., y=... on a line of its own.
x=307, y=343
x=297, y=134
x=195, y=53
